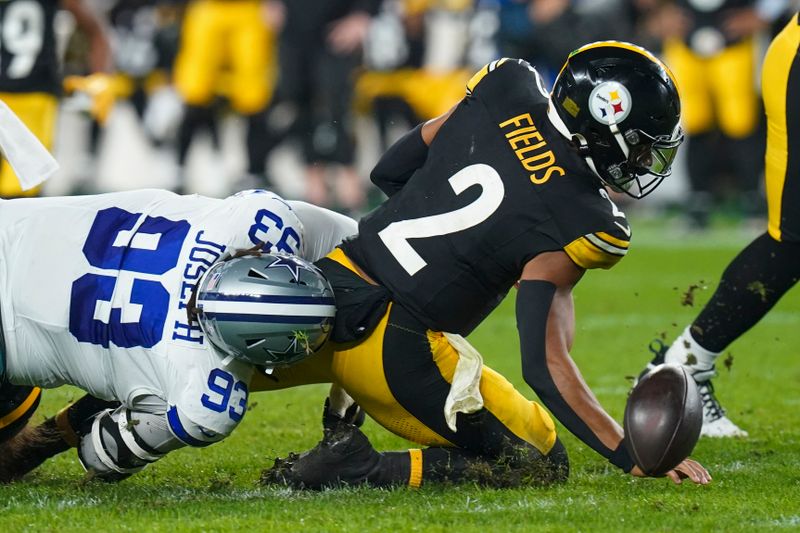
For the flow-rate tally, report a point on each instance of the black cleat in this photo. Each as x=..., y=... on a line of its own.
x=343, y=457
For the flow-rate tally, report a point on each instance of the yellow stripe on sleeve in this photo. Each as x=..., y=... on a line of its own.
x=478, y=76
x=587, y=254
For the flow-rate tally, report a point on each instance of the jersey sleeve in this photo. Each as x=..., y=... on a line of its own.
x=597, y=250
x=596, y=231
x=208, y=397
x=472, y=84
x=505, y=80
x=262, y=217
x=323, y=229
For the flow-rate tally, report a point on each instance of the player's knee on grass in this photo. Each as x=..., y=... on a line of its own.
x=514, y=461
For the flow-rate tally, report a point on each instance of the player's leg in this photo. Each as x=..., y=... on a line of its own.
x=314, y=369
x=512, y=438
x=35, y=444
x=253, y=75
x=32, y=445
x=731, y=75
x=196, y=70
x=400, y=375
x=38, y=111
x=697, y=118
x=334, y=131
x=17, y=405
x=769, y=266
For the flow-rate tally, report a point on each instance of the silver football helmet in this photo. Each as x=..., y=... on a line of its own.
x=269, y=310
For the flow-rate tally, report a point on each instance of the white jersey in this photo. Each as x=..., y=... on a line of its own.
x=94, y=290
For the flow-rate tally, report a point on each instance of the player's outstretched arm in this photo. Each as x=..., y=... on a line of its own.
x=546, y=323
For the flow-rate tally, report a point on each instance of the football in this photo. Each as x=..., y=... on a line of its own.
x=663, y=418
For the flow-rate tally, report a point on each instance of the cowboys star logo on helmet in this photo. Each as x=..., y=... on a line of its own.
x=285, y=261
x=610, y=102
x=287, y=353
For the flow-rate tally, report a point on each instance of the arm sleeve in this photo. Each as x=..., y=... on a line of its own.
x=400, y=162
x=323, y=229
x=534, y=299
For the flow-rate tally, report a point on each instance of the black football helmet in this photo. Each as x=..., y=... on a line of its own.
x=620, y=105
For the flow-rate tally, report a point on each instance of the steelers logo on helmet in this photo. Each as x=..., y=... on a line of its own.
x=610, y=103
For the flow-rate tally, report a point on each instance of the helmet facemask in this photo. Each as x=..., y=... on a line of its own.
x=648, y=160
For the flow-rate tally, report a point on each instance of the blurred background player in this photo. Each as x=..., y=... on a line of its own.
x=227, y=47
x=144, y=40
x=419, y=54
x=545, y=31
x=320, y=49
x=712, y=47
x=770, y=265
x=30, y=74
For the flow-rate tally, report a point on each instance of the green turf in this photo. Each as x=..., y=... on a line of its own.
x=756, y=481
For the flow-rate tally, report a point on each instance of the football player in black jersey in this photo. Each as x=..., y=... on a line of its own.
x=30, y=76
x=769, y=266
x=507, y=188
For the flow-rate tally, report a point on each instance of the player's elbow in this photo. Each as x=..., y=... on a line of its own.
x=381, y=178
x=191, y=433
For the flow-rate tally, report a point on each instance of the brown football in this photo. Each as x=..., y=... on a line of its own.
x=663, y=418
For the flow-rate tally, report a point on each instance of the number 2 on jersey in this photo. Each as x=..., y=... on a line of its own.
x=397, y=234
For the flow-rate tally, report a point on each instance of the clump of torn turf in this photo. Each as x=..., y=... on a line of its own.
x=687, y=297
x=728, y=361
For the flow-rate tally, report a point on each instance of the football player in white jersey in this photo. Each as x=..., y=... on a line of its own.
x=101, y=292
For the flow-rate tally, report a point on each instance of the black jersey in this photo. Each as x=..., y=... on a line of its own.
x=28, y=60
x=500, y=185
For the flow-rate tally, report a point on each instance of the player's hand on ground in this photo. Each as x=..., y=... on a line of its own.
x=688, y=469
x=692, y=470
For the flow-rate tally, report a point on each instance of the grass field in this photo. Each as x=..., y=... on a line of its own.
x=756, y=481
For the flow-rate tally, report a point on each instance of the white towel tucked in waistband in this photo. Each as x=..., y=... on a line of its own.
x=465, y=394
